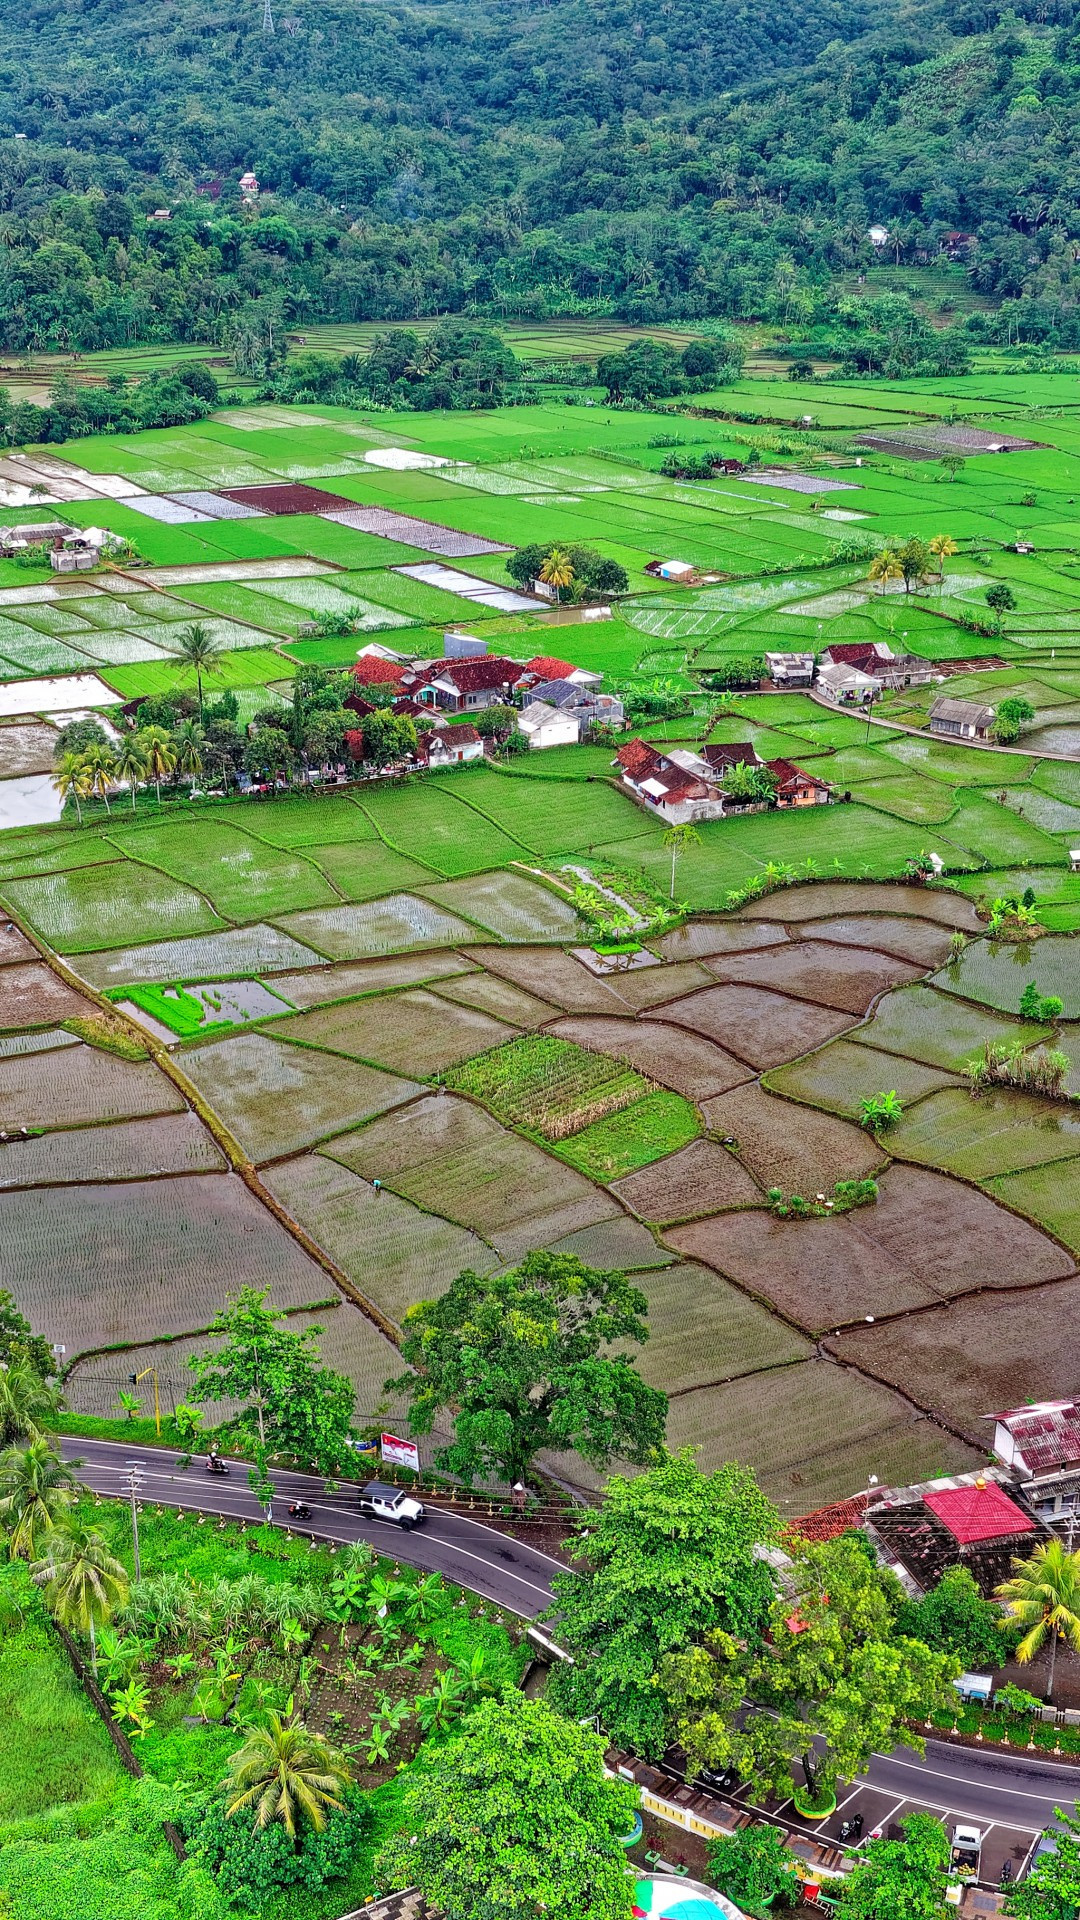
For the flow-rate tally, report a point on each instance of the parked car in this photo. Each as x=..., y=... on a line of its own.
x=380, y=1502
x=719, y=1779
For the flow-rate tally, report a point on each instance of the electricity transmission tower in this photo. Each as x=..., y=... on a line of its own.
x=268, y=17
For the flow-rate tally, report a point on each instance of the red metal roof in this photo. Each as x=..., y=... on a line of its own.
x=976, y=1513
x=856, y=653
x=1047, y=1435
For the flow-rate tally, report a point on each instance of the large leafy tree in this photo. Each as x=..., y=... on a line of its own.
x=835, y=1683
x=514, y=1817
x=28, y=1403
x=901, y=1879
x=518, y=1360
x=19, y=1342
x=669, y=1557
x=1052, y=1888
x=955, y=1618
x=290, y=1404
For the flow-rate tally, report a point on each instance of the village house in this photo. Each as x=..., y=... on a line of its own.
x=961, y=719
x=734, y=753
x=1041, y=1444
x=790, y=669
x=674, y=793
x=544, y=667
x=448, y=746
x=463, y=686
x=585, y=704
x=847, y=686
x=545, y=726
x=877, y=658
x=797, y=788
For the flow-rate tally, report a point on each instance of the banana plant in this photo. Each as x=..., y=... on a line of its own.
x=377, y=1749
x=133, y=1706
x=180, y=1665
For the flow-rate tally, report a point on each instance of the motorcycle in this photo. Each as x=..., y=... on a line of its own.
x=851, y=1829
x=216, y=1465
x=1006, y=1873
x=300, y=1511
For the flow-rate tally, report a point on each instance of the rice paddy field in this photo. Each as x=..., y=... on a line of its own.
x=412, y=1059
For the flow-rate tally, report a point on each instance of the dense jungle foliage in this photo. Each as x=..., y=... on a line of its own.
x=658, y=159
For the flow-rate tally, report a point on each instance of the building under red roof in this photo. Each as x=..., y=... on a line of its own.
x=545, y=667
x=978, y=1513
x=828, y=1523
x=371, y=670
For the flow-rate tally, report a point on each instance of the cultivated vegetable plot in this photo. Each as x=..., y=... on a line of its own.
x=548, y=1085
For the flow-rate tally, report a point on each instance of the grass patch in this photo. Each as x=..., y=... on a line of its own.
x=647, y=1130
x=549, y=1086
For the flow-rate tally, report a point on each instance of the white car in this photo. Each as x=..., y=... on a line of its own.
x=390, y=1503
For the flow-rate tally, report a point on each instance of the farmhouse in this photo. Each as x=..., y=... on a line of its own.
x=544, y=667
x=736, y=753
x=448, y=746
x=969, y=1519
x=790, y=669
x=588, y=707
x=463, y=686
x=797, y=788
x=545, y=726
x=377, y=670
x=847, y=686
x=876, y=657
x=675, y=793
x=1041, y=1444
x=962, y=719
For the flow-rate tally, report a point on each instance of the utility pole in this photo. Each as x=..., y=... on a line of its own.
x=133, y=1487
x=262, y=1429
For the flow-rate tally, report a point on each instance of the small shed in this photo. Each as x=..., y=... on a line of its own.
x=961, y=719
x=676, y=570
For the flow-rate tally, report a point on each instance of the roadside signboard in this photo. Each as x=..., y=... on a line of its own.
x=404, y=1453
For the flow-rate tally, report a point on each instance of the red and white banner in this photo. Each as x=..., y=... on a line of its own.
x=403, y=1453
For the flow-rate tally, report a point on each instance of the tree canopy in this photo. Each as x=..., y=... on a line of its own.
x=290, y=1404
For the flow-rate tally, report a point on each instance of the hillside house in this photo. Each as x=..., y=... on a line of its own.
x=79, y=549
x=376, y=670
x=733, y=753
x=674, y=793
x=463, y=686
x=1041, y=1444
x=961, y=719
x=790, y=669
x=681, y=572
x=797, y=788
x=448, y=747
x=545, y=726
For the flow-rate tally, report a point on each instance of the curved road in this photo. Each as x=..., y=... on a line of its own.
x=1016, y=1794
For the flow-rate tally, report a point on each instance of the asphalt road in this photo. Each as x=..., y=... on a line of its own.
x=1016, y=1795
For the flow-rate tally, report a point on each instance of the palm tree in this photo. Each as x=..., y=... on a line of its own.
x=100, y=763
x=200, y=650
x=943, y=546
x=131, y=763
x=1044, y=1596
x=159, y=753
x=189, y=741
x=678, y=839
x=557, y=570
x=286, y=1773
x=885, y=567
x=26, y=1401
x=36, y=1490
x=72, y=780
x=84, y=1583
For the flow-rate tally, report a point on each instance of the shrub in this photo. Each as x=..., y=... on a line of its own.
x=1039, y=1007
x=880, y=1111
x=251, y=1864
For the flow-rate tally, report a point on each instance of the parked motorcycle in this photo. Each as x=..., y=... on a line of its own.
x=851, y=1829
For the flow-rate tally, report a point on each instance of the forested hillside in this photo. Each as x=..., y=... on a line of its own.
x=656, y=158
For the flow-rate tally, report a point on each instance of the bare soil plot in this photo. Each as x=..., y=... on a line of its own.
x=703, y=1331
x=556, y=977
x=646, y=987
x=996, y=972
x=410, y=1032
x=102, y=1264
x=286, y=497
x=510, y=905
x=26, y=748
x=395, y=1253
x=759, y=1027
x=14, y=946
x=939, y=1029
x=209, y=956
x=277, y=1099
x=854, y=896
x=33, y=996
x=812, y=1432
x=840, y=1075
x=72, y=1086
x=316, y=986
x=847, y=978
x=1000, y=1132
x=375, y=927
x=700, y=937
x=699, y=1179
x=683, y=1061
x=994, y=1350
x=922, y=942
x=819, y=1273
x=128, y=1150
x=454, y=1158
x=955, y=1239
x=795, y=1148
x=1049, y=1195
x=616, y=1245
x=498, y=997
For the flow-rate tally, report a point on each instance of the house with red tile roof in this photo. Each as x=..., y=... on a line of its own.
x=797, y=788
x=448, y=746
x=675, y=793
x=463, y=686
x=544, y=666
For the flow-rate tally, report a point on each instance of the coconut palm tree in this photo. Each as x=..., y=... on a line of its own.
x=199, y=649
x=284, y=1772
x=72, y=780
x=557, y=570
x=942, y=546
x=884, y=567
x=678, y=839
x=100, y=763
x=131, y=763
x=1043, y=1596
x=159, y=754
x=36, y=1490
x=26, y=1402
x=84, y=1583
x=189, y=740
